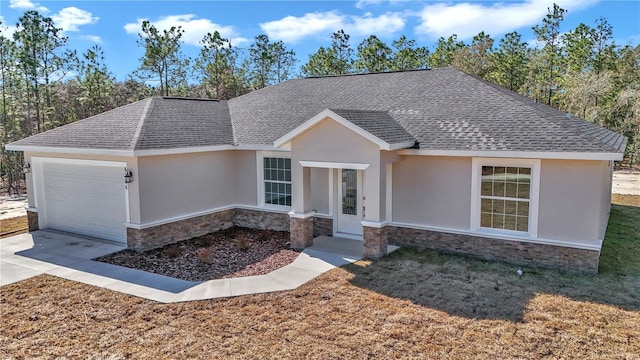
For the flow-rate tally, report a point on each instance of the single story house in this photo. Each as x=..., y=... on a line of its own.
x=432, y=158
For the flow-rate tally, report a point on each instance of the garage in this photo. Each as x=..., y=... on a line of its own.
x=82, y=196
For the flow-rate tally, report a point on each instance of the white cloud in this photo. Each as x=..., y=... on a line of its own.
x=293, y=29
x=385, y=24
x=70, y=18
x=194, y=29
x=468, y=19
x=26, y=5
x=92, y=38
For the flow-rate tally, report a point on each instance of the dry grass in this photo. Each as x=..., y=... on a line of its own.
x=412, y=304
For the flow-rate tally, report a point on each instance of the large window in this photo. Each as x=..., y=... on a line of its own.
x=505, y=195
x=277, y=181
x=504, y=198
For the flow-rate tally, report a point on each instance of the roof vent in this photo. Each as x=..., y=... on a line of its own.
x=567, y=115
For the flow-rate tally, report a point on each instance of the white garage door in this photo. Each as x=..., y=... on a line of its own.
x=85, y=199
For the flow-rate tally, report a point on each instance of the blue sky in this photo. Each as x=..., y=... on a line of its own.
x=304, y=26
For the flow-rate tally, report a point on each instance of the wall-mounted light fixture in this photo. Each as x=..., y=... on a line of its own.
x=128, y=176
x=26, y=168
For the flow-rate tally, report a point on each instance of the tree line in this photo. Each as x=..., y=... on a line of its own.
x=45, y=84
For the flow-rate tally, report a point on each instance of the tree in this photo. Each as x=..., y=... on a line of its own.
x=579, y=48
x=475, y=58
x=163, y=59
x=268, y=62
x=44, y=58
x=95, y=82
x=335, y=60
x=444, y=52
x=550, y=57
x=510, y=62
x=217, y=67
x=406, y=56
x=373, y=55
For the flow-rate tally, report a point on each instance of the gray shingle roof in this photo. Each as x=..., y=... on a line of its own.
x=378, y=123
x=442, y=109
x=154, y=123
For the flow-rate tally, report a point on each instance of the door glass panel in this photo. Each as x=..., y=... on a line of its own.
x=349, y=192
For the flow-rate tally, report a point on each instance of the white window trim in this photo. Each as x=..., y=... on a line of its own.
x=534, y=195
x=260, y=155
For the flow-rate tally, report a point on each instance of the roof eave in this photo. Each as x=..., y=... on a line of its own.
x=559, y=155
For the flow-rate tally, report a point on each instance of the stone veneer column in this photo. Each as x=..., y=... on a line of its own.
x=32, y=220
x=301, y=230
x=375, y=242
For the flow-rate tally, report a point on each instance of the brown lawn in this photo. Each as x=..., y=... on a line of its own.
x=412, y=304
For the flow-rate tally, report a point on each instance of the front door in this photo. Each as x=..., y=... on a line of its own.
x=350, y=202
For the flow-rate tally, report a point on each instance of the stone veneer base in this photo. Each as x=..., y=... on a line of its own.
x=515, y=252
x=161, y=235
x=301, y=232
x=322, y=226
x=32, y=220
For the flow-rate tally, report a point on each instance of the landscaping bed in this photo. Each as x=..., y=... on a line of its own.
x=235, y=252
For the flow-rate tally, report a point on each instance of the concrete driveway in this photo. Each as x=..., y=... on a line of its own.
x=69, y=256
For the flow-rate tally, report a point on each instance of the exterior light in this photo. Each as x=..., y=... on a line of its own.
x=128, y=176
x=26, y=168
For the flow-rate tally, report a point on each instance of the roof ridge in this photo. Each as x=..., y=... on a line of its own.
x=141, y=123
x=367, y=73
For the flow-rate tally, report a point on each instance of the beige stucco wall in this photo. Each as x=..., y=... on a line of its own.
x=178, y=185
x=320, y=190
x=245, y=172
x=132, y=164
x=329, y=141
x=432, y=191
x=574, y=204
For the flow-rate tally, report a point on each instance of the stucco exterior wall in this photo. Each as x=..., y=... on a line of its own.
x=573, y=203
x=132, y=164
x=320, y=190
x=331, y=142
x=432, y=191
x=245, y=172
x=178, y=185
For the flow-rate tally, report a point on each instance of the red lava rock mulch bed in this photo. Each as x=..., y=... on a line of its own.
x=235, y=252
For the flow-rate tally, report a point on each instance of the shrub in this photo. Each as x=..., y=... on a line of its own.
x=242, y=243
x=205, y=255
x=172, y=251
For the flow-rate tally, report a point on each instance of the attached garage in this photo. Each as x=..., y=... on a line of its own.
x=81, y=196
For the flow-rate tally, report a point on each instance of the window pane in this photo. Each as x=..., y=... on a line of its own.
x=486, y=205
x=524, y=175
x=498, y=188
x=287, y=200
x=523, y=191
x=287, y=175
x=486, y=188
x=510, y=207
x=498, y=221
x=511, y=189
x=498, y=206
x=287, y=163
x=523, y=208
x=485, y=219
x=487, y=172
x=509, y=222
x=523, y=223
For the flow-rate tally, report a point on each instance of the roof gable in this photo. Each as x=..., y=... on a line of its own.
x=375, y=126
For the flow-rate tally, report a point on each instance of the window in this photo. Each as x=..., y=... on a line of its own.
x=277, y=180
x=504, y=198
x=505, y=195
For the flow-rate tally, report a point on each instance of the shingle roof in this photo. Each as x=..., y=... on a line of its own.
x=442, y=109
x=154, y=123
x=378, y=123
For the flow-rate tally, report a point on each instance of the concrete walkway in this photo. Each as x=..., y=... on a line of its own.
x=69, y=256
